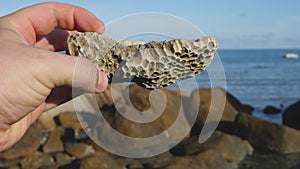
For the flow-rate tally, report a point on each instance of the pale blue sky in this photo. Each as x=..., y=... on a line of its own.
x=235, y=23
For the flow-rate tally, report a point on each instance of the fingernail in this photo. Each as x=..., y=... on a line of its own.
x=101, y=30
x=102, y=82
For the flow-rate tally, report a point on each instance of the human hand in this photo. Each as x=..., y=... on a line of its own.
x=33, y=78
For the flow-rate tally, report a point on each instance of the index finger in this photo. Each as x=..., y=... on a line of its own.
x=41, y=19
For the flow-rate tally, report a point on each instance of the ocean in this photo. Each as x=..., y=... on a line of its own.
x=260, y=78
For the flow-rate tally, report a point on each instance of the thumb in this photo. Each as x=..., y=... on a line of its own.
x=87, y=77
x=75, y=72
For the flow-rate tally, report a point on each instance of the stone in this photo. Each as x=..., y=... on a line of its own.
x=212, y=159
x=206, y=160
x=130, y=163
x=151, y=160
x=182, y=93
x=151, y=65
x=68, y=135
x=271, y=110
x=69, y=120
x=79, y=150
x=247, y=109
x=265, y=135
x=241, y=108
x=105, y=98
x=46, y=121
x=14, y=167
x=37, y=160
x=54, y=143
x=100, y=161
x=291, y=116
x=8, y=163
x=139, y=98
x=80, y=135
x=232, y=148
x=96, y=147
x=269, y=159
x=62, y=159
x=297, y=166
x=28, y=144
x=139, y=101
x=200, y=101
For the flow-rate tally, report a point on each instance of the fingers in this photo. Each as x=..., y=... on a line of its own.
x=43, y=18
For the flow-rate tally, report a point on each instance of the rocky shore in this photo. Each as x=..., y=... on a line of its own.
x=58, y=141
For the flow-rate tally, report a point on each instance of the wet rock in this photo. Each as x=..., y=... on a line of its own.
x=271, y=110
x=63, y=159
x=37, y=160
x=100, y=161
x=206, y=160
x=266, y=135
x=54, y=143
x=29, y=143
x=79, y=150
x=291, y=116
x=69, y=120
x=231, y=148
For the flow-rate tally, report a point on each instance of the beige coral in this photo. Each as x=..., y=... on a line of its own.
x=151, y=65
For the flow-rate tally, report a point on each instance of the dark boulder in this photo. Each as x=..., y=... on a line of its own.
x=291, y=116
x=271, y=110
x=238, y=105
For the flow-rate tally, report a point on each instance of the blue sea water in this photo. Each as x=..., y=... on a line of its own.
x=260, y=78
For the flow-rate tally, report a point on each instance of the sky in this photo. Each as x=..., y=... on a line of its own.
x=237, y=24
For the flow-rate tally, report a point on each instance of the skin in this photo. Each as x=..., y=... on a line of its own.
x=34, y=78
